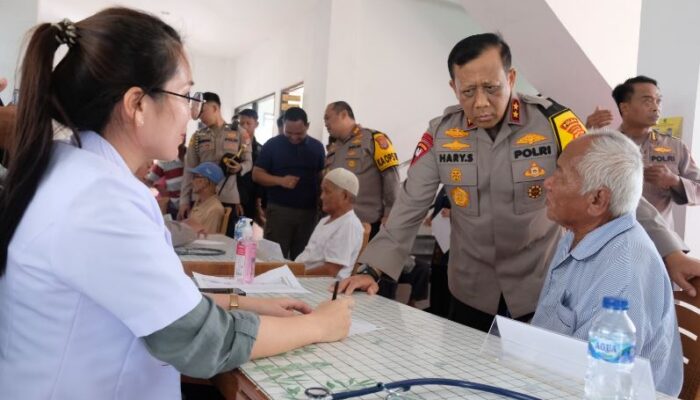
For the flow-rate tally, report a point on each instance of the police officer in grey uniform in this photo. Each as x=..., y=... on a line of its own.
x=492, y=154
x=670, y=173
x=370, y=155
x=211, y=143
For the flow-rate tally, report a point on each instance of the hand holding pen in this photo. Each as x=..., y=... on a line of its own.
x=334, y=316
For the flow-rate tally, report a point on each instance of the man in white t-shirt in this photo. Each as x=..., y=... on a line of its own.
x=336, y=240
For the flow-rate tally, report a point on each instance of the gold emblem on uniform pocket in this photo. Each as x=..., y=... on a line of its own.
x=456, y=145
x=534, y=171
x=456, y=175
x=534, y=191
x=460, y=197
x=456, y=133
x=662, y=149
x=352, y=163
x=530, y=138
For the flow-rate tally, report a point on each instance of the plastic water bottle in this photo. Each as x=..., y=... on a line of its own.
x=611, y=347
x=244, y=232
x=250, y=249
x=241, y=225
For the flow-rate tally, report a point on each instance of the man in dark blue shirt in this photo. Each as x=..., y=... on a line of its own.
x=290, y=166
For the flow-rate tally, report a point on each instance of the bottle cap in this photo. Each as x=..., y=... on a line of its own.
x=615, y=303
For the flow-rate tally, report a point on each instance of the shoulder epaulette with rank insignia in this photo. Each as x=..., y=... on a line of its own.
x=384, y=154
x=452, y=109
x=655, y=132
x=447, y=114
x=565, y=124
x=194, y=142
x=537, y=100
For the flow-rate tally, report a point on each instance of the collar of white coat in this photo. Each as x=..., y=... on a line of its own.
x=94, y=143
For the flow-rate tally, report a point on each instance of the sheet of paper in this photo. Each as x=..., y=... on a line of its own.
x=269, y=251
x=565, y=355
x=441, y=230
x=205, y=242
x=213, y=282
x=278, y=280
x=359, y=326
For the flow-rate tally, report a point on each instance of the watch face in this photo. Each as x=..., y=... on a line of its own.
x=370, y=271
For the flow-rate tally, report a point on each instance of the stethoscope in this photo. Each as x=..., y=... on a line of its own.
x=394, y=390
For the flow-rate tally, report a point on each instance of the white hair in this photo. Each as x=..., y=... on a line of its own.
x=615, y=162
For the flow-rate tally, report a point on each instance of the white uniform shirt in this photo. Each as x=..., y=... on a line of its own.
x=90, y=270
x=336, y=242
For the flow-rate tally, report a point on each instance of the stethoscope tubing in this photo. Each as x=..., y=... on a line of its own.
x=406, y=385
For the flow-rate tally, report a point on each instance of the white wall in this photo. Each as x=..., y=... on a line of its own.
x=213, y=74
x=607, y=31
x=16, y=18
x=388, y=60
x=670, y=53
x=546, y=51
x=297, y=54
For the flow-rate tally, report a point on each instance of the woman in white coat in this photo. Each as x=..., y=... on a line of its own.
x=93, y=300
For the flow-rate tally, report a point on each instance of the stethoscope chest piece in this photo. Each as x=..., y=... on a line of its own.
x=318, y=393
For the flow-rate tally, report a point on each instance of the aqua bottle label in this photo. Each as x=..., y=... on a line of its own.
x=611, y=351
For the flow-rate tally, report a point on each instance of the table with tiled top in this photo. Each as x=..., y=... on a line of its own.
x=223, y=264
x=218, y=242
x=410, y=344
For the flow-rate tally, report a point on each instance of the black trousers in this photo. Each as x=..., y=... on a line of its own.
x=465, y=315
x=232, y=219
x=418, y=278
x=290, y=227
x=440, y=297
x=374, y=228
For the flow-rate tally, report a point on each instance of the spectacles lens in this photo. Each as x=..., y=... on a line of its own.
x=196, y=105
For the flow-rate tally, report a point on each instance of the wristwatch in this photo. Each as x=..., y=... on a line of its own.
x=233, y=302
x=367, y=270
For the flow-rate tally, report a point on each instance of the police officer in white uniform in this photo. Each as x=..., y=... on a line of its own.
x=94, y=303
x=492, y=152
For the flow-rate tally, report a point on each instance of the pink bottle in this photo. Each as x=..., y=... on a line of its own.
x=249, y=263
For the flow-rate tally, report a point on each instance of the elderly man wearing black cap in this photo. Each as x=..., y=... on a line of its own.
x=217, y=143
x=336, y=240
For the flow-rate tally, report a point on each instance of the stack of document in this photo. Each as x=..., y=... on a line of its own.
x=278, y=280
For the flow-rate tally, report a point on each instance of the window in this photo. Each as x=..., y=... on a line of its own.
x=265, y=107
x=267, y=127
x=292, y=96
x=243, y=107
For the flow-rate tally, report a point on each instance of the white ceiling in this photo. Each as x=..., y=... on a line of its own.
x=211, y=27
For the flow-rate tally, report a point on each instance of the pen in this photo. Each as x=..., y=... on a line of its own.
x=335, y=290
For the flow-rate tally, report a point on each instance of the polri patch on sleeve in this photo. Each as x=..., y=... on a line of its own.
x=567, y=127
x=424, y=146
x=384, y=154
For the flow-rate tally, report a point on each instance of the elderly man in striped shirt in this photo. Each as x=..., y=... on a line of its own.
x=605, y=252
